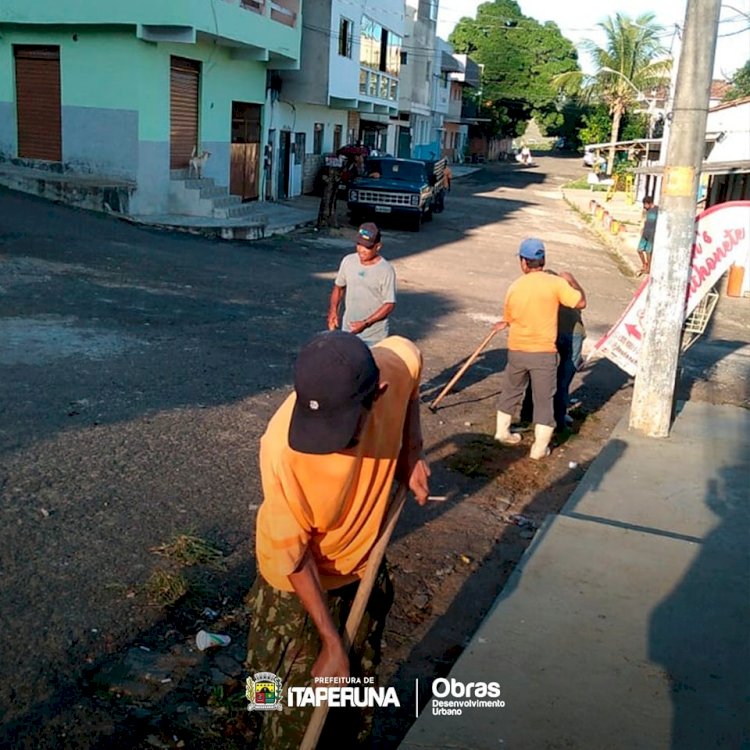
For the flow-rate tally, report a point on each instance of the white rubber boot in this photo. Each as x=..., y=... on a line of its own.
x=503, y=433
x=540, y=446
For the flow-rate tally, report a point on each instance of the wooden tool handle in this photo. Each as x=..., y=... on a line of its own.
x=318, y=718
x=463, y=369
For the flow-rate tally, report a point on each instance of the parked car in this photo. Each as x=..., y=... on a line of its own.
x=408, y=188
x=589, y=157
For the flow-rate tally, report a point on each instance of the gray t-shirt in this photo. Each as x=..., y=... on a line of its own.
x=367, y=288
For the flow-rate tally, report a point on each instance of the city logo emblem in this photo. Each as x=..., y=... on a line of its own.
x=263, y=691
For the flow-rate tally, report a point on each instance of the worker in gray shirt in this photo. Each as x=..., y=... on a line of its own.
x=367, y=282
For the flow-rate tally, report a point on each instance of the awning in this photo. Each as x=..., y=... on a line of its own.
x=449, y=65
x=708, y=167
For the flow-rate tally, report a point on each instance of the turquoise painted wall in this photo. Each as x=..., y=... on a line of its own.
x=113, y=69
x=224, y=18
x=115, y=101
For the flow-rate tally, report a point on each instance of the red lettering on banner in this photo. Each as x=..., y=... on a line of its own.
x=708, y=260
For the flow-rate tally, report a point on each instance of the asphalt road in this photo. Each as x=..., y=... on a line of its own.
x=139, y=368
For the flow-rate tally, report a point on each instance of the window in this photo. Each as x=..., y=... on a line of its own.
x=380, y=49
x=318, y=138
x=337, y=132
x=404, y=56
x=345, y=37
x=433, y=9
x=393, y=53
x=371, y=33
x=299, y=148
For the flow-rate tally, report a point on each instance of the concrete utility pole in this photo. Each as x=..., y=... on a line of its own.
x=655, y=382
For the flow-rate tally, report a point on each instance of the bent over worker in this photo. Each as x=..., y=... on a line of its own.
x=328, y=460
x=531, y=311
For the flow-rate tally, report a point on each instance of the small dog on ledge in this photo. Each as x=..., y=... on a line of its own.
x=197, y=162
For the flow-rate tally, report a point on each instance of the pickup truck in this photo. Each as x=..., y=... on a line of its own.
x=408, y=188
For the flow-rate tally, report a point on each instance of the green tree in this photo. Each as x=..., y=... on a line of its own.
x=597, y=125
x=520, y=58
x=630, y=62
x=740, y=84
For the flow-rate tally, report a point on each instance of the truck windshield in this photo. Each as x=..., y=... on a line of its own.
x=390, y=169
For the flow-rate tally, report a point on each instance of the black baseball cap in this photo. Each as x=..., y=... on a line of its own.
x=334, y=375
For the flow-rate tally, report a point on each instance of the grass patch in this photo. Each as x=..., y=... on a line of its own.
x=166, y=588
x=188, y=549
x=223, y=701
x=473, y=459
x=582, y=184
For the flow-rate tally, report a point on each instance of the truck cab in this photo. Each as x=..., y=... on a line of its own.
x=408, y=188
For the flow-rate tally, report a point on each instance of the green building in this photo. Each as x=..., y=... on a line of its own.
x=129, y=92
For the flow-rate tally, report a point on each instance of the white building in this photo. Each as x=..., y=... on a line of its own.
x=345, y=91
x=415, y=128
x=455, y=135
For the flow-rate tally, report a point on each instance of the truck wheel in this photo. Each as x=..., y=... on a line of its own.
x=440, y=203
x=428, y=214
x=416, y=222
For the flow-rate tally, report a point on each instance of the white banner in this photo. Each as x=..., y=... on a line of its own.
x=722, y=238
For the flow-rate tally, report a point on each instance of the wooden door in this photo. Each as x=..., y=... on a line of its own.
x=184, y=93
x=38, y=102
x=245, y=156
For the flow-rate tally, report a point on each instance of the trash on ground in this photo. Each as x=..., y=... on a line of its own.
x=204, y=640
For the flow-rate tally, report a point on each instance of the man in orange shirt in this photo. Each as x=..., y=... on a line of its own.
x=328, y=459
x=531, y=310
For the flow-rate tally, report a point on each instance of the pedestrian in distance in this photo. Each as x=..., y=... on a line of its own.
x=531, y=312
x=366, y=282
x=328, y=460
x=646, y=242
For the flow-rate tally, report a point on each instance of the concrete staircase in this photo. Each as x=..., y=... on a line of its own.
x=190, y=196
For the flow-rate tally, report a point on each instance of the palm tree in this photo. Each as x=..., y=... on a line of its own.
x=631, y=61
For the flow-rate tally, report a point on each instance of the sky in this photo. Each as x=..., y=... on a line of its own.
x=732, y=49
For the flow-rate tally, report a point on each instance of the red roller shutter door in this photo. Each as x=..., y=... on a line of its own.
x=184, y=87
x=38, y=102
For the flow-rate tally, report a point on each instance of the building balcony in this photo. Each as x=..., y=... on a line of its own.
x=454, y=110
x=265, y=30
x=378, y=91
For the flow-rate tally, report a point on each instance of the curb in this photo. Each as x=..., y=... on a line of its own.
x=608, y=239
x=252, y=230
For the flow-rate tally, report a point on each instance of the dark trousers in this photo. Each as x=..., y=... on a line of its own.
x=284, y=640
x=569, y=346
x=539, y=368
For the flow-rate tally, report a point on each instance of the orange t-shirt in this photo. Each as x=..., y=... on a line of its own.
x=531, y=307
x=335, y=503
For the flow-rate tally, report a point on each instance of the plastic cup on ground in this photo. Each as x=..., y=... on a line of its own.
x=204, y=640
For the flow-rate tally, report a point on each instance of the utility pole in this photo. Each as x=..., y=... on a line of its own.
x=655, y=381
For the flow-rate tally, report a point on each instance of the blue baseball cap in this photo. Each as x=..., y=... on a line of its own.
x=531, y=249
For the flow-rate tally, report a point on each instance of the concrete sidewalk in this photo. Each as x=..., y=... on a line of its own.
x=265, y=218
x=628, y=215
x=626, y=623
